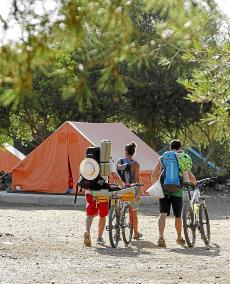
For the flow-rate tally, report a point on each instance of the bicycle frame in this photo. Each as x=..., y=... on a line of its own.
x=194, y=203
x=115, y=201
x=193, y=213
x=120, y=207
x=196, y=196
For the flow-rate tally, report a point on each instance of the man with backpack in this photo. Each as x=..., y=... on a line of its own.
x=95, y=170
x=129, y=171
x=170, y=174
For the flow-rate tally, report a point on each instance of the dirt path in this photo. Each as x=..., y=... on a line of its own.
x=40, y=245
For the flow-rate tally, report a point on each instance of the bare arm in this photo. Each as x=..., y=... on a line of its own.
x=117, y=178
x=136, y=170
x=156, y=172
x=137, y=173
x=192, y=178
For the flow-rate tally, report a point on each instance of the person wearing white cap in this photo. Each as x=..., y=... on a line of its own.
x=90, y=169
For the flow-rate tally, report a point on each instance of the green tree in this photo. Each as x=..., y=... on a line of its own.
x=107, y=35
x=106, y=60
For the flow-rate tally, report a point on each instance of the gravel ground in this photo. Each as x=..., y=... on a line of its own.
x=43, y=245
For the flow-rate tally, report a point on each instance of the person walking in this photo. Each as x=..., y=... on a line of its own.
x=167, y=170
x=94, y=208
x=129, y=171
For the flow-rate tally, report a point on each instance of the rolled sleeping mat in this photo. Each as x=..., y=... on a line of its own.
x=105, y=154
x=104, y=169
x=102, y=192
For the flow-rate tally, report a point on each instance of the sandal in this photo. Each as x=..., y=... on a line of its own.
x=138, y=237
x=87, y=239
x=161, y=243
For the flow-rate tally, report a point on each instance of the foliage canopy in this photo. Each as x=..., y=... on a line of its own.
x=161, y=66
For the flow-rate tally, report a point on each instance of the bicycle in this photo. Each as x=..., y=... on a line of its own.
x=195, y=214
x=120, y=215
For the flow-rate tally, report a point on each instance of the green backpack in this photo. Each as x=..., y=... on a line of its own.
x=184, y=161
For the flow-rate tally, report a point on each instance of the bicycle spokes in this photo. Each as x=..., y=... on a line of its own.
x=189, y=225
x=195, y=214
x=204, y=224
x=127, y=224
x=114, y=226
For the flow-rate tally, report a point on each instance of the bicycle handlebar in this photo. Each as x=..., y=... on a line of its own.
x=135, y=184
x=117, y=188
x=203, y=182
x=199, y=184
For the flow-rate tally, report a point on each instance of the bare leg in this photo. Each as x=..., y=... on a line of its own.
x=178, y=225
x=101, y=226
x=88, y=223
x=135, y=223
x=161, y=224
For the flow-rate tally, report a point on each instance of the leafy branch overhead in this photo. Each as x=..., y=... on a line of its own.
x=104, y=34
x=160, y=66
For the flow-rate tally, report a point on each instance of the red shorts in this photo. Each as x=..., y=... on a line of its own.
x=93, y=208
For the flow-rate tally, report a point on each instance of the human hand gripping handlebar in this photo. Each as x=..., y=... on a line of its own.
x=199, y=184
x=133, y=184
x=203, y=182
x=137, y=184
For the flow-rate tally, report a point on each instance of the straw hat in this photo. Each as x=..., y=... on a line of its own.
x=89, y=169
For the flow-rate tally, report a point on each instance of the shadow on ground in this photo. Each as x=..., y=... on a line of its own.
x=210, y=251
x=144, y=244
x=135, y=249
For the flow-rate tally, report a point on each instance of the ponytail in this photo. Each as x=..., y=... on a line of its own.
x=131, y=148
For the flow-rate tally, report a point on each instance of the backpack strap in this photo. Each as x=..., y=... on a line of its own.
x=162, y=175
x=76, y=193
x=131, y=171
x=121, y=169
x=131, y=161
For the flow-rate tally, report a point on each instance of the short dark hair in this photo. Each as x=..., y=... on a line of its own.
x=175, y=144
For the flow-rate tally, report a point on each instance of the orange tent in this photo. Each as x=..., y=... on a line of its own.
x=9, y=158
x=46, y=169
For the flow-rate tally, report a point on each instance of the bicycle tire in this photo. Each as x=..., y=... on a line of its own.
x=114, y=229
x=188, y=216
x=205, y=234
x=127, y=224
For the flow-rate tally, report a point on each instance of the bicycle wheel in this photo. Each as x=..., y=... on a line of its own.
x=189, y=226
x=127, y=224
x=114, y=227
x=204, y=224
